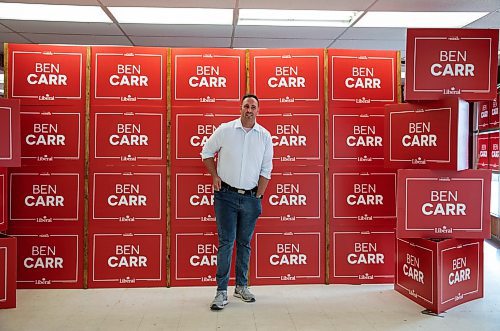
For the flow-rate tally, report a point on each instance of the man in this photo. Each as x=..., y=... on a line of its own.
x=244, y=163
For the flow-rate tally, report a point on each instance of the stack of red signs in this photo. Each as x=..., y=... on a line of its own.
x=362, y=192
x=127, y=167
x=8, y=271
x=289, y=241
x=442, y=215
x=46, y=193
x=207, y=87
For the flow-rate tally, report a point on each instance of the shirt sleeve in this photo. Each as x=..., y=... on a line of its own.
x=267, y=162
x=213, y=144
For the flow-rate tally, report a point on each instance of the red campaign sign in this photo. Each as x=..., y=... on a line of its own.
x=292, y=197
x=494, y=150
x=297, y=138
x=293, y=77
x=193, y=197
x=192, y=132
x=363, y=196
x=10, y=147
x=361, y=77
x=439, y=275
x=415, y=271
x=127, y=196
x=43, y=197
x=8, y=276
x=127, y=260
x=494, y=114
x=128, y=137
x=451, y=62
x=283, y=258
x=49, y=261
x=430, y=135
x=208, y=76
x=51, y=137
x=483, y=110
x=483, y=148
x=129, y=75
x=47, y=74
x=3, y=199
x=357, y=140
x=443, y=204
x=363, y=257
x=461, y=272
x=195, y=261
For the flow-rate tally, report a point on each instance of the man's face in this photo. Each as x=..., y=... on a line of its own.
x=249, y=109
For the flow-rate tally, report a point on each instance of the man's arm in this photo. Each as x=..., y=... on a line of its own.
x=212, y=169
x=261, y=187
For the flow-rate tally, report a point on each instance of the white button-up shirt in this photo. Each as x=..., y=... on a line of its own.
x=242, y=156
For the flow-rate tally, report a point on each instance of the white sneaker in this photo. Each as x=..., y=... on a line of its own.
x=243, y=293
x=219, y=301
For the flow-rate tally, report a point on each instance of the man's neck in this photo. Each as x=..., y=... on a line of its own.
x=247, y=124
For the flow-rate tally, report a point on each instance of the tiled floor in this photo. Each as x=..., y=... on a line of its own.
x=311, y=307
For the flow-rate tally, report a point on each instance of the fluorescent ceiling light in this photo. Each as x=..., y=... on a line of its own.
x=59, y=13
x=154, y=15
x=296, y=17
x=418, y=19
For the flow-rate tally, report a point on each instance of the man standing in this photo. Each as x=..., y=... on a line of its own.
x=244, y=163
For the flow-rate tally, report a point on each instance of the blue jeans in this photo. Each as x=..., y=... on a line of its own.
x=236, y=216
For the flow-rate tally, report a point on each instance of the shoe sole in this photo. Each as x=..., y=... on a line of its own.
x=236, y=295
x=215, y=307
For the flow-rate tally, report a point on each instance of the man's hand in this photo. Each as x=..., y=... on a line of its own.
x=216, y=182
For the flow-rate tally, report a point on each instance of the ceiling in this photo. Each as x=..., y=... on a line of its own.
x=38, y=32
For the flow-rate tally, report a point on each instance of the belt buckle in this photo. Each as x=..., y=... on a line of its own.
x=241, y=191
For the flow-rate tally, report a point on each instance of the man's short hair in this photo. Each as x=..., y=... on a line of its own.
x=246, y=96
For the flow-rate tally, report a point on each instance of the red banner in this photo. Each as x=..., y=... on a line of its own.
x=10, y=136
x=127, y=260
x=130, y=137
x=494, y=114
x=3, y=199
x=129, y=75
x=293, y=77
x=127, y=196
x=47, y=74
x=361, y=77
x=427, y=135
x=51, y=137
x=443, y=204
x=190, y=132
x=208, y=77
x=42, y=197
x=483, y=110
x=363, y=197
x=363, y=257
x=195, y=259
x=288, y=258
x=192, y=197
x=8, y=276
x=357, y=139
x=439, y=275
x=49, y=260
x=483, y=148
x=494, y=150
x=451, y=62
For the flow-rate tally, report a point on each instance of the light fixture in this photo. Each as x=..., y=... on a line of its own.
x=418, y=19
x=326, y=18
x=60, y=13
x=154, y=15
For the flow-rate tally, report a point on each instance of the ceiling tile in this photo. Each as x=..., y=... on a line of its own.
x=307, y=4
x=162, y=30
x=58, y=27
x=12, y=38
x=375, y=33
x=370, y=44
x=59, y=2
x=437, y=5
x=181, y=41
x=287, y=32
x=77, y=39
x=492, y=20
x=280, y=43
x=3, y=28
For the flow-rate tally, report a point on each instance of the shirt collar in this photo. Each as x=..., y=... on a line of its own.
x=256, y=127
